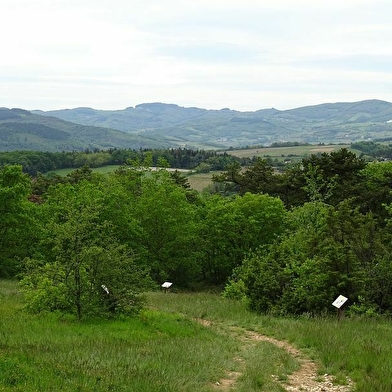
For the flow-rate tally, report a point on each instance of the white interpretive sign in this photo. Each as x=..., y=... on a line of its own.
x=166, y=285
x=340, y=301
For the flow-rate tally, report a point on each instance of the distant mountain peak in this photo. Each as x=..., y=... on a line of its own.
x=154, y=105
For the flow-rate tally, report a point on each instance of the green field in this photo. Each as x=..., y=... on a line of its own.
x=185, y=342
x=200, y=181
x=103, y=170
x=279, y=152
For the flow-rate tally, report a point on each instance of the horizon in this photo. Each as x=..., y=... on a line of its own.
x=197, y=107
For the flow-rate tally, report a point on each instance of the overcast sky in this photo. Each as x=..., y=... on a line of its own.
x=240, y=54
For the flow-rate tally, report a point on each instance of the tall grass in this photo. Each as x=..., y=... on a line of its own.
x=154, y=352
x=355, y=347
x=166, y=349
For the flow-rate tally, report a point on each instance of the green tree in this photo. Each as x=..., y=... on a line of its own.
x=325, y=251
x=258, y=178
x=169, y=228
x=17, y=233
x=338, y=174
x=233, y=227
x=375, y=191
x=80, y=256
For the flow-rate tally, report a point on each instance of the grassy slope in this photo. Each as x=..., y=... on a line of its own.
x=358, y=348
x=23, y=130
x=154, y=352
x=165, y=350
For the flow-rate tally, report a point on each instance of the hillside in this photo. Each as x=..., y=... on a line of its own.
x=195, y=127
x=23, y=130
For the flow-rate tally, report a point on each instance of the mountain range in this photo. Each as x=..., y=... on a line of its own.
x=160, y=125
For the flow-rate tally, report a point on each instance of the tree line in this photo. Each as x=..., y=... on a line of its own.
x=90, y=244
x=34, y=162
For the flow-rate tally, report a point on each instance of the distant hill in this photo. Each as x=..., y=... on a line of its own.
x=24, y=130
x=201, y=128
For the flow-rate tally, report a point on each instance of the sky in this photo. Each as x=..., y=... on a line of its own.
x=240, y=54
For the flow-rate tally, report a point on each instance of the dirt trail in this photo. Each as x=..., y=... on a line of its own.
x=305, y=379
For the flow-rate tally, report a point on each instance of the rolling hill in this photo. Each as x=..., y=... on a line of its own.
x=23, y=130
x=160, y=125
x=194, y=127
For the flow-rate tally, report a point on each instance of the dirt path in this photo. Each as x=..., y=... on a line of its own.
x=305, y=379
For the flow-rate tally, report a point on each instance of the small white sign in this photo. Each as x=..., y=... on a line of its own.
x=105, y=289
x=340, y=301
x=166, y=285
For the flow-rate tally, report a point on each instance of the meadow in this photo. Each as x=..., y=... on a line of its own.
x=200, y=181
x=295, y=152
x=103, y=170
x=183, y=342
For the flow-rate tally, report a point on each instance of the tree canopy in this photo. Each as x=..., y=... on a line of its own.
x=89, y=244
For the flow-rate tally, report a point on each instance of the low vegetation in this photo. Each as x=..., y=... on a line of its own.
x=166, y=348
x=154, y=351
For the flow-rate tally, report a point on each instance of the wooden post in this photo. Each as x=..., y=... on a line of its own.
x=341, y=312
x=166, y=286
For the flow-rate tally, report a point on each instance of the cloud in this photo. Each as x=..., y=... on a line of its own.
x=245, y=54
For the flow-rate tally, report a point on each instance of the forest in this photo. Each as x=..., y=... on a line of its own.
x=34, y=162
x=90, y=244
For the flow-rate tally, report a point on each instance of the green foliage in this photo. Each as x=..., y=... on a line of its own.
x=17, y=224
x=324, y=252
x=375, y=190
x=35, y=162
x=235, y=289
x=169, y=228
x=79, y=256
x=203, y=168
x=76, y=230
x=337, y=174
x=233, y=227
x=375, y=150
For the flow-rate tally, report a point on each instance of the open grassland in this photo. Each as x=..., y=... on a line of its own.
x=183, y=342
x=156, y=351
x=281, y=152
x=358, y=348
x=200, y=181
x=103, y=170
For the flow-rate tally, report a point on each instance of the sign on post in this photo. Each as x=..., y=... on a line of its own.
x=339, y=304
x=340, y=301
x=166, y=286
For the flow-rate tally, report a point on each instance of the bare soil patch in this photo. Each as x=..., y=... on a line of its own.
x=306, y=378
